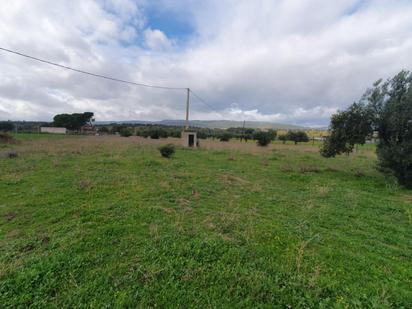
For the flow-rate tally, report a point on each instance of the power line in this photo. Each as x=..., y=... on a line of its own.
x=89, y=73
x=203, y=101
x=108, y=77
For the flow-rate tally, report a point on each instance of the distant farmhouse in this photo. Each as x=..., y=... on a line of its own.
x=54, y=130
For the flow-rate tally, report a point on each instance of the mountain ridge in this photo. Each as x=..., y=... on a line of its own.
x=213, y=124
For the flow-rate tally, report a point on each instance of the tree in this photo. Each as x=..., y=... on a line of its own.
x=73, y=121
x=225, y=137
x=6, y=126
x=297, y=136
x=125, y=132
x=264, y=138
x=283, y=138
x=349, y=128
x=387, y=110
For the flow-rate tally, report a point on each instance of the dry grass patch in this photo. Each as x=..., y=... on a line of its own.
x=10, y=216
x=287, y=168
x=232, y=179
x=85, y=184
x=309, y=169
x=6, y=138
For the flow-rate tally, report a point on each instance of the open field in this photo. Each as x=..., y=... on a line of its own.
x=105, y=221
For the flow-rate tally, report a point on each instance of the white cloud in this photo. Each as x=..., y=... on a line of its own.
x=156, y=39
x=293, y=61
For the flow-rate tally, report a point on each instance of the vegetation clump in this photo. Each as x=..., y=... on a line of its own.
x=125, y=132
x=264, y=138
x=167, y=150
x=297, y=136
x=225, y=137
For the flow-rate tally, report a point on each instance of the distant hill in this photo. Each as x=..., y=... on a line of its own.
x=215, y=124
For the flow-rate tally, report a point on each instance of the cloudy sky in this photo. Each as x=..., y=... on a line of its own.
x=288, y=61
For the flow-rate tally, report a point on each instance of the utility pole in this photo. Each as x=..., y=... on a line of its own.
x=243, y=131
x=187, y=109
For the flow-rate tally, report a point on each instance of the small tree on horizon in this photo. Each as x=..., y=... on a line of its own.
x=73, y=121
x=297, y=136
x=264, y=138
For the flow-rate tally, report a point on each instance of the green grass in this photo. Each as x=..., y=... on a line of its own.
x=98, y=223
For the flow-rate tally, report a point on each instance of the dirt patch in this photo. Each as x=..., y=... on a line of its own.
x=10, y=216
x=45, y=240
x=331, y=169
x=287, y=169
x=27, y=248
x=85, y=184
x=406, y=198
x=229, y=178
x=7, y=139
x=359, y=174
x=309, y=169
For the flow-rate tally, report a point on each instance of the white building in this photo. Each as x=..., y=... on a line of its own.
x=54, y=130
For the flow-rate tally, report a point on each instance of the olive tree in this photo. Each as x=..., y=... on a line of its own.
x=387, y=110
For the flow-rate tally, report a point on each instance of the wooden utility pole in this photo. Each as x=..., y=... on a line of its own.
x=187, y=109
x=243, y=131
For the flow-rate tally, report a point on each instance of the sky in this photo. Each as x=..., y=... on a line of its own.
x=284, y=61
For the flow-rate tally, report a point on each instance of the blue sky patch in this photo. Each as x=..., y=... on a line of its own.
x=169, y=22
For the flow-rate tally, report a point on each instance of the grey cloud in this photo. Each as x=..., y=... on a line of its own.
x=289, y=61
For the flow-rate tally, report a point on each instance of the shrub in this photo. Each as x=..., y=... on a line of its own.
x=125, y=132
x=297, y=136
x=154, y=134
x=263, y=138
x=167, y=150
x=225, y=137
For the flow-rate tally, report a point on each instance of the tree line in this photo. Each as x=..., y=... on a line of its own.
x=243, y=134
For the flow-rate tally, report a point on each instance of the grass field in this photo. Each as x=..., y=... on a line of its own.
x=106, y=222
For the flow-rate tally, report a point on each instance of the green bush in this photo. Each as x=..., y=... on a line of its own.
x=225, y=137
x=297, y=136
x=167, y=150
x=125, y=132
x=263, y=138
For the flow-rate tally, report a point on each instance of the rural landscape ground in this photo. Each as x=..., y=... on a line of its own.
x=105, y=221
